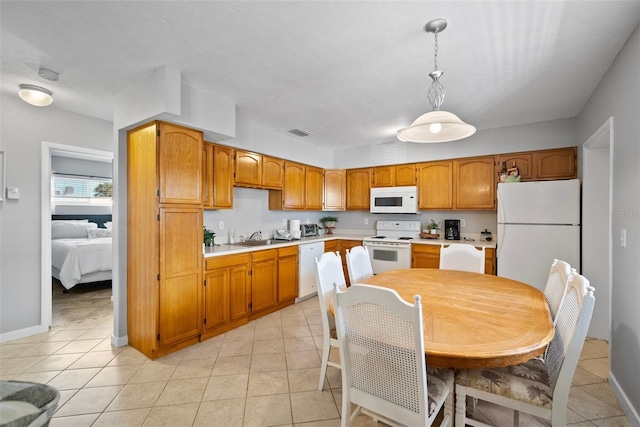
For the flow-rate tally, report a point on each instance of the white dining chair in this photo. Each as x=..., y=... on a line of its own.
x=358, y=264
x=556, y=286
x=462, y=256
x=384, y=369
x=539, y=387
x=329, y=273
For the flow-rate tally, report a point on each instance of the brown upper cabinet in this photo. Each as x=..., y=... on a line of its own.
x=314, y=186
x=474, y=184
x=303, y=186
x=542, y=165
x=180, y=164
x=435, y=185
x=248, y=172
x=394, y=175
x=521, y=160
x=335, y=190
x=258, y=171
x=272, y=172
x=358, y=188
x=218, y=176
x=555, y=164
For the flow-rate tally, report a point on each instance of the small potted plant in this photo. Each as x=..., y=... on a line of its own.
x=329, y=222
x=433, y=227
x=208, y=237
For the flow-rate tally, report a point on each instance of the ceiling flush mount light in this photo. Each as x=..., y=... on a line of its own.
x=436, y=126
x=35, y=95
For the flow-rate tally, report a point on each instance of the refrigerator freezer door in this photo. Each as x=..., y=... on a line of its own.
x=540, y=202
x=526, y=252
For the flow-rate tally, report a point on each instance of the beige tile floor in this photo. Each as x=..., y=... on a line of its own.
x=262, y=374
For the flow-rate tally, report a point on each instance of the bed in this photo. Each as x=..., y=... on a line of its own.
x=81, y=249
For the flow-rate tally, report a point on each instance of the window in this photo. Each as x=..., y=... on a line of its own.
x=81, y=190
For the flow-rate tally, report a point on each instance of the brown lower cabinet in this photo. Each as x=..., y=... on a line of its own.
x=243, y=287
x=342, y=246
x=227, y=293
x=428, y=256
x=287, y=274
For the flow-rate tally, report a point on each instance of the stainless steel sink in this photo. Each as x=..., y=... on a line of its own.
x=258, y=242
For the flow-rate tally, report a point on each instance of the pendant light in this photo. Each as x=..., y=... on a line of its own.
x=437, y=125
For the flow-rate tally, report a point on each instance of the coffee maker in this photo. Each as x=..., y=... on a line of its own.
x=452, y=229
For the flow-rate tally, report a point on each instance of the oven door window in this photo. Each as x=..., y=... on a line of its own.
x=385, y=255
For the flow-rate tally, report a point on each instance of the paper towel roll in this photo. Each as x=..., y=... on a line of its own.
x=294, y=225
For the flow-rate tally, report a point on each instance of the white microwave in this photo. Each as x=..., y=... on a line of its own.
x=394, y=200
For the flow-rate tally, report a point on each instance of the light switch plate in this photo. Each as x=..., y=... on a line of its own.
x=221, y=225
x=13, y=193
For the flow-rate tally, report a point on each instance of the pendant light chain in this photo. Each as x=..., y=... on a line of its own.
x=435, y=55
x=436, y=90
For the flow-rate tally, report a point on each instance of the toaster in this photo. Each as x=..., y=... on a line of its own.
x=307, y=230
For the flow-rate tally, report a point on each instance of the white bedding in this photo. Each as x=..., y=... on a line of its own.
x=75, y=258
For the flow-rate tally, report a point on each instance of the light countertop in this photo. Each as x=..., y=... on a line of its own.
x=477, y=242
x=226, y=249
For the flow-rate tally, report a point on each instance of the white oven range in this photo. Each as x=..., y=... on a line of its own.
x=390, y=248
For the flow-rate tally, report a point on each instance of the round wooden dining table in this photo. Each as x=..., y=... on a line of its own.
x=474, y=320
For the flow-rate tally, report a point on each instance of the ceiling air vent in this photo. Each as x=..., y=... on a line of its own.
x=299, y=132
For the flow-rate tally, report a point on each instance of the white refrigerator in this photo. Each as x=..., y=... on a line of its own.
x=537, y=222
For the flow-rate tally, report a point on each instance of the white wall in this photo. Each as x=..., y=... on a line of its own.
x=253, y=136
x=534, y=136
x=618, y=95
x=24, y=129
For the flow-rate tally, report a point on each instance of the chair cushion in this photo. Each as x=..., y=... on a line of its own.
x=527, y=382
x=439, y=385
x=333, y=333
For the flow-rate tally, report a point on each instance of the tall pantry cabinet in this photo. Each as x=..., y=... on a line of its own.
x=164, y=237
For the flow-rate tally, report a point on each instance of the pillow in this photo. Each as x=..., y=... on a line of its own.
x=95, y=233
x=70, y=221
x=108, y=225
x=71, y=230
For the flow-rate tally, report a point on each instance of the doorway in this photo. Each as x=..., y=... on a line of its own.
x=597, y=236
x=61, y=150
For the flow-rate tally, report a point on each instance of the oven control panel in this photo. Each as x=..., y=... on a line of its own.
x=398, y=226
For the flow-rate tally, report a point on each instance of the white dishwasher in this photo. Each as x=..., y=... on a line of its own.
x=307, y=254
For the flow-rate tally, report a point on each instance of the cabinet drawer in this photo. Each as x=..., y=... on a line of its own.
x=225, y=261
x=288, y=251
x=262, y=255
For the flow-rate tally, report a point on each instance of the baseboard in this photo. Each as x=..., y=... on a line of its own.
x=119, y=341
x=628, y=409
x=23, y=333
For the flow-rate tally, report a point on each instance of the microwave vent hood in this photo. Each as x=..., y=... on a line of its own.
x=394, y=200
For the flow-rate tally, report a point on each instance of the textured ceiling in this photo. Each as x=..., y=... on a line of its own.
x=350, y=72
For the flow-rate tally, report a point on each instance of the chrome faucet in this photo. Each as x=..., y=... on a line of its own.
x=256, y=236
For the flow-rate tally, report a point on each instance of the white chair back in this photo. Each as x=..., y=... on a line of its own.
x=381, y=341
x=462, y=256
x=556, y=287
x=537, y=387
x=358, y=264
x=572, y=324
x=329, y=274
